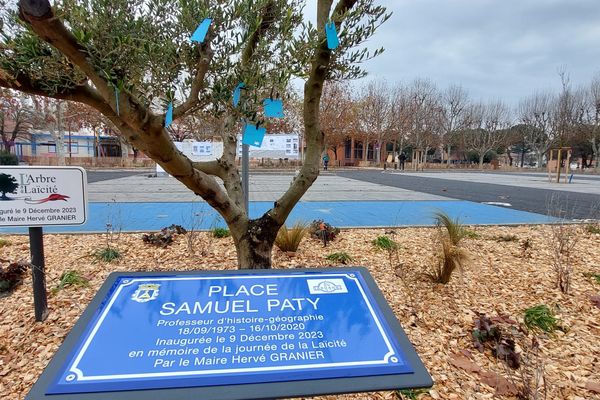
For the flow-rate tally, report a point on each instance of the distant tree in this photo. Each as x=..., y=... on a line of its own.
x=374, y=109
x=138, y=54
x=424, y=120
x=455, y=102
x=15, y=118
x=338, y=116
x=8, y=184
x=536, y=115
x=489, y=123
x=592, y=118
x=517, y=142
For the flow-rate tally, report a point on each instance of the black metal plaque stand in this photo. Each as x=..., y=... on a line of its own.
x=38, y=272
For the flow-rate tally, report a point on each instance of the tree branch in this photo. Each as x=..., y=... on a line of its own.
x=206, y=55
x=313, y=88
x=209, y=168
x=266, y=20
x=40, y=16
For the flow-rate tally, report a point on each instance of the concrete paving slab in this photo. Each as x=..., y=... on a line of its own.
x=263, y=187
x=588, y=186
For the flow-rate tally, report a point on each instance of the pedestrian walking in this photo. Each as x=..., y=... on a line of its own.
x=402, y=160
x=325, y=161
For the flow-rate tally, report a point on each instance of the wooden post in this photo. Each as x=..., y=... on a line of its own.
x=558, y=160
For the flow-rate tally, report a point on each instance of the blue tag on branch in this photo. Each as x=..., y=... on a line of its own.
x=332, y=37
x=200, y=32
x=273, y=108
x=169, y=117
x=253, y=136
x=237, y=93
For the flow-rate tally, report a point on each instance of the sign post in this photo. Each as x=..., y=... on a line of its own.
x=233, y=335
x=35, y=197
x=38, y=272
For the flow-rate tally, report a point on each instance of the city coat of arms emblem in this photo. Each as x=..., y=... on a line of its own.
x=145, y=292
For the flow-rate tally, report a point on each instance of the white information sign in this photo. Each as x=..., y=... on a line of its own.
x=42, y=196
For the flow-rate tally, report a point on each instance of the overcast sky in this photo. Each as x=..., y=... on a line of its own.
x=496, y=49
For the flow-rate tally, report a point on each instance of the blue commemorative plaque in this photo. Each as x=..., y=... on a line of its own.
x=233, y=329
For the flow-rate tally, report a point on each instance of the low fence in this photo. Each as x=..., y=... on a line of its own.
x=107, y=162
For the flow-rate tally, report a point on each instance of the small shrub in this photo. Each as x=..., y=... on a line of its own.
x=542, y=318
x=341, y=257
x=450, y=256
x=70, y=278
x=596, y=278
x=7, y=158
x=107, y=254
x=489, y=335
x=289, y=239
x=594, y=229
x=4, y=242
x=526, y=248
x=506, y=238
x=321, y=230
x=12, y=276
x=471, y=234
x=385, y=243
x=410, y=394
x=220, y=233
x=165, y=236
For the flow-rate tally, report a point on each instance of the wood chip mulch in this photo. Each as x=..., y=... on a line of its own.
x=501, y=279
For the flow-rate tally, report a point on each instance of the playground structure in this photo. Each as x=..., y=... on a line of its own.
x=559, y=161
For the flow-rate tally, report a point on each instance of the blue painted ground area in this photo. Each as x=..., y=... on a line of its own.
x=130, y=217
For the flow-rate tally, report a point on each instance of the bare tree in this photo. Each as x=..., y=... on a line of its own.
x=374, y=113
x=424, y=115
x=489, y=128
x=15, y=118
x=455, y=102
x=338, y=117
x=593, y=117
x=536, y=113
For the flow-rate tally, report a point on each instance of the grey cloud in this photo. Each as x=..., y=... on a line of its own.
x=495, y=49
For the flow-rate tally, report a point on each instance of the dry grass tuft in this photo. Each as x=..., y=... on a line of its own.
x=289, y=239
x=451, y=256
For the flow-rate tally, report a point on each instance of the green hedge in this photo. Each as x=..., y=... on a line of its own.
x=7, y=158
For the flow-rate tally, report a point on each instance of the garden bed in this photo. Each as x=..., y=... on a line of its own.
x=503, y=277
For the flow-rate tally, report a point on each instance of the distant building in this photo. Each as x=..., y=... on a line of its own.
x=81, y=148
x=275, y=146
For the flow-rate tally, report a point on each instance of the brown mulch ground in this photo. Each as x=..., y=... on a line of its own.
x=501, y=279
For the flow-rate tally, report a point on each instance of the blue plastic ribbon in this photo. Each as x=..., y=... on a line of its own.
x=332, y=37
x=201, y=31
x=237, y=93
x=253, y=135
x=273, y=108
x=169, y=117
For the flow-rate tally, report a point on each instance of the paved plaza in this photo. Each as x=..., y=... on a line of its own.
x=263, y=187
x=140, y=201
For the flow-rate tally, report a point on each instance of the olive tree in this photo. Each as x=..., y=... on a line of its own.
x=129, y=59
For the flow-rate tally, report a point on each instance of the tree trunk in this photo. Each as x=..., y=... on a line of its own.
x=254, y=242
x=481, y=157
x=596, y=150
x=7, y=145
x=523, y=155
x=58, y=135
x=540, y=159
